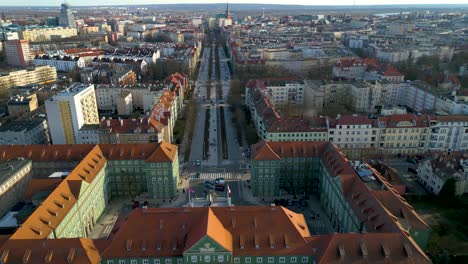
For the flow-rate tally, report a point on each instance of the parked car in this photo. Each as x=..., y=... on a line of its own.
x=219, y=188
x=219, y=181
x=412, y=170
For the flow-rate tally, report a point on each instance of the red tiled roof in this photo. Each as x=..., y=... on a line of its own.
x=53, y=251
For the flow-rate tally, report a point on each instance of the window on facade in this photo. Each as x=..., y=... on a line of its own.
x=220, y=258
x=207, y=258
x=271, y=260
x=122, y=261
x=282, y=260
x=259, y=260
x=168, y=261
x=236, y=260
x=247, y=260
x=145, y=261
x=193, y=258
x=110, y=262
x=293, y=259
x=180, y=261
x=305, y=259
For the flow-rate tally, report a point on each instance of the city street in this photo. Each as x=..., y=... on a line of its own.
x=212, y=101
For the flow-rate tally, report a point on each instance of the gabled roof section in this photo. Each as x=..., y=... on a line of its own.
x=208, y=225
x=48, y=216
x=262, y=151
x=164, y=153
x=366, y=248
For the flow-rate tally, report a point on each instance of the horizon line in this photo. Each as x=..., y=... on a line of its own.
x=222, y=3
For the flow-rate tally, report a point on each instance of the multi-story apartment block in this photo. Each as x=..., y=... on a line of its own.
x=17, y=53
x=403, y=134
x=319, y=168
x=353, y=132
x=15, y=176
x=282, y=91
x=122, y=131
x=25, y=133
x=43, y=74
x=448, y=133
x=69, y=110
x=272, y=126
x=435, y=171
x=46, y=34
x=61, y=63
x=22, y=104
x=124, y=103
x=418, y=96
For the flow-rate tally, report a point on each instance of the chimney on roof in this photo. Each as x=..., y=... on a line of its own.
x=385, y=251
x=364, y=251
x=341, y=251
x=48, y=257
x=26, y=256
x=71, y=256
x=4, y=257
x=143, y=245
x=286, y=241
x=128, y=245
x=272, y=241
x=257, y=241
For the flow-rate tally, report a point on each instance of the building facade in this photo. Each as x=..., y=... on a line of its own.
x=38, y=75
x=20, y=105
x=435, y=171
x=47, y=34
x=69, y=110
x=448, y=133
x=17, y=53
x=13, y=182
x=25, y=133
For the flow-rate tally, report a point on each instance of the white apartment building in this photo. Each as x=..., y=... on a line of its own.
x=284, y=92
x=353, y=131
x=417, y=95
x=69, y=110
x=142, y=97
x=61, y=63
x=434, y=172
x=25, y=133
x=448, y=133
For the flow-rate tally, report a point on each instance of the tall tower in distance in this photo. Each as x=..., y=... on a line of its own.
x=66, y=18
x=228, y=14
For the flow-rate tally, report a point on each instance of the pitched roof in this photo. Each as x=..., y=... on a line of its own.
x=366, y=248
x=48, y=216
x=164, y=153
x=243, y=230
x=53, y=251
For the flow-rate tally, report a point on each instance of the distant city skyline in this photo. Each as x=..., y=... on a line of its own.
x=291, y=2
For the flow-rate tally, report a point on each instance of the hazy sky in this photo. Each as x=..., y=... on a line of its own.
x=300, y=2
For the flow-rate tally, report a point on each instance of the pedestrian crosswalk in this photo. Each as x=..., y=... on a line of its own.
x=216, y=175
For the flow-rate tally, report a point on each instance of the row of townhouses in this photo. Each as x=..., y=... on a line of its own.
x=386, y=134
